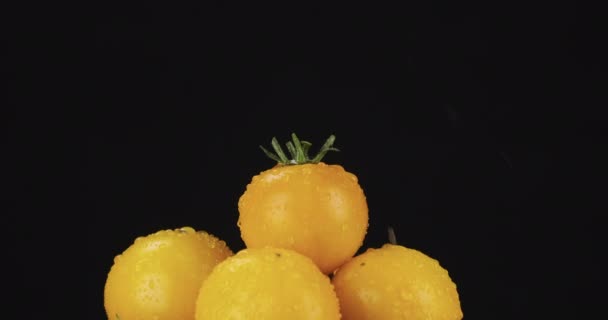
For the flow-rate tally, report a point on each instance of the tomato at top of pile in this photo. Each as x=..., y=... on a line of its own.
x=306, y=205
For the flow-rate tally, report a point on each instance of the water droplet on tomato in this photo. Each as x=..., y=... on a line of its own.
x=405, y=295
x=295, y=308
x=186, y=230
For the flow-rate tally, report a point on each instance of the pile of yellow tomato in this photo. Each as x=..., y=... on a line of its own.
x=302, y=222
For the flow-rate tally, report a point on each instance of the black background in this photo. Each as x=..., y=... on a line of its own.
x=471, y=129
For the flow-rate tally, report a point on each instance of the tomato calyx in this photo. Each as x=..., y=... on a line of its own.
x=298, y=149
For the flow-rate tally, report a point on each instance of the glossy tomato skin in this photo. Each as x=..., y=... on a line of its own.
x=319, y=210
x=267, y=284
x=159, y=275
x=395, y=282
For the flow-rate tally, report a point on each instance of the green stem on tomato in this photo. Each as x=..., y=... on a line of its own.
x=327, y=146
x=292, y=149
x=277, y=148
x=305, y=147
x=298, y=149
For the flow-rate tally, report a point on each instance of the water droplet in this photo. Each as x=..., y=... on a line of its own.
x=186, y=230
x=405, y=295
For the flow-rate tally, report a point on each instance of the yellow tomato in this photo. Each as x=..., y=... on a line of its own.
x=267, y=284
x=314, y=208
x=395, y=282
x=159, y=275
